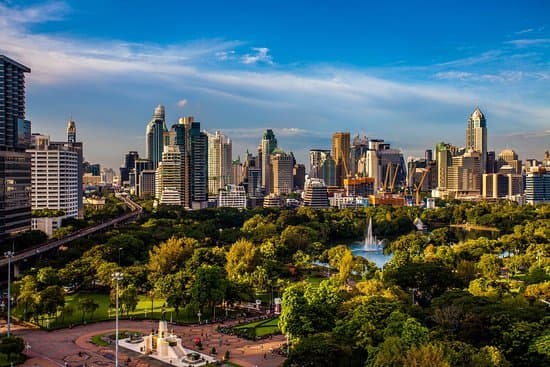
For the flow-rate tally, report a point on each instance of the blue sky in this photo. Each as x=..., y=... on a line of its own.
x=408, y=72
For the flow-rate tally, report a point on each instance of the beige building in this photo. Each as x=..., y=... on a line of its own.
x=508, y=161
x=282, y=166
x=476, y=136
x=219, y=162
x=169, y=176
x=464, y=174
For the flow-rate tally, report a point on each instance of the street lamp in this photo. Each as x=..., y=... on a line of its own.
x=199, y=314
x=117, y=277
x=9, y=255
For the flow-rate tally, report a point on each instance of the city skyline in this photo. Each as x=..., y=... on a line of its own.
x=414, y=93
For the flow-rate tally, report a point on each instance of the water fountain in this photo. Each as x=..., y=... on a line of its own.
x=371, y=248
x=371, y=243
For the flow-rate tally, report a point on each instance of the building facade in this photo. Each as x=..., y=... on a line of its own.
x=476, y=136
x=154, y=136
x=232, y=196
x=15, y=137
x=341, y=154
x=283, y=177
x=220, y=162
x=54, y=176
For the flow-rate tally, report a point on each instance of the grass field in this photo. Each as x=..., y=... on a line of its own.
x=262, y=327
x=104, y=312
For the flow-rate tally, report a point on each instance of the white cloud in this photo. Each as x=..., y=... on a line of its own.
x=523, y=31
x=182, y=103
x=261, y=55
x=526, y=42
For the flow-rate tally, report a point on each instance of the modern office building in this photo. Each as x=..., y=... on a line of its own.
x=444, y=159
x=315, y=194
x=237, y=169
x=186, y=137
x=146, y=186
x=316, y=158
x=501, y=186
x=268, y=145
x=359, y=149
x=232, y=196
x=107, y=175
x=129, y=160
x=282, y=168
x=299, y=173
x=537, y=186
x=476, y=136
x=15, y=137
x=327, y=170
x=220, y=164
x=54, y=176
x=154, y=136
x=341, y=154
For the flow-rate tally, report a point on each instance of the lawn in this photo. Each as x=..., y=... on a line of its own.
x=104, y=312
x=262, y=327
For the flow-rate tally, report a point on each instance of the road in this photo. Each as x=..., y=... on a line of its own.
x=135, y=211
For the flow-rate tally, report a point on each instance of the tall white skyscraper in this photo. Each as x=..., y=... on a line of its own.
x=476, y=136
x=219, y=162
x=54, y=176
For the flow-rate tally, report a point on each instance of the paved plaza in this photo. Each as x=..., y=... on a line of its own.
x=72, y=347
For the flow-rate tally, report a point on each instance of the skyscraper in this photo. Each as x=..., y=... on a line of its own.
x=154, y=136
x=193, y=145
x=268, y=145
x=476, y=136
x=359, y=148
x=15, y=136
x=282, y=165
x=219, y=162
x=169, y=176
x=341, y=155
x=129, y=161
x=54, y=173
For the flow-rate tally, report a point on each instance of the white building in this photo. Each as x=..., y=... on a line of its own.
x=220, y=164
x=169, y=176
x=232, y=196
x=54, y=176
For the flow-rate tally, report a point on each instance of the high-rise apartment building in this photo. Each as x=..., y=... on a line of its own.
x=299, y=176
x=341, y=154
x=282, y=166
x=169, y=174
x=537, y=186
x=232, y=196
x=476, y=136
x=15, y=137
x=129, y=160
x=54, y=176
x=268, y=145
x=237, y=169
x=220, y=162
x=154, y=136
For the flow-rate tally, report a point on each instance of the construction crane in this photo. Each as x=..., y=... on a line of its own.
x=388, y=169
x=419, y=186
x=394, y=177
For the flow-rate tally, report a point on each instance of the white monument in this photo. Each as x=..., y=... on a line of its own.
x=167, y=347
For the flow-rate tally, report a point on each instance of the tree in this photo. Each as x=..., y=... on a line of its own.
x=129, y=298
x=489, y=265
x=241, y=259
x=176, y=288
x=209, y=285
x=317, y=350
x=345, y=266
x=28, y=294
x=428, y=355
x=47, y=276
x=167, y=258
x=50, y=299
x=88, y=305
